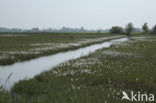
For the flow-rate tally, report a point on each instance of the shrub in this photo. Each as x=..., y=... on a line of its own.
x=116, y=30
x=154, y=30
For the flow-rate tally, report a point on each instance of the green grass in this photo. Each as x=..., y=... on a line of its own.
x=19, y=47
x=140, y=34
x=98, y=78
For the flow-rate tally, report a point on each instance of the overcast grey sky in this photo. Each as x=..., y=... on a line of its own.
x=91, y=14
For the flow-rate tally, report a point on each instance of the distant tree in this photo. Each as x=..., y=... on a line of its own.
x=99, y=31
x=145, y=28
x=116, y=30
x=129, y=28
x=154, y=30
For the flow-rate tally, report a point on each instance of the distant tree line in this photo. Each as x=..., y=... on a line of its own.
x=130, y=28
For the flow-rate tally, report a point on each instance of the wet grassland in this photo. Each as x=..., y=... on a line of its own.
x=97, y=78
x=20, y=47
